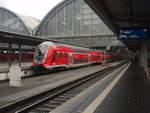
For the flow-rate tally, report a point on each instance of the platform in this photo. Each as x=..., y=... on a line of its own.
x=36, y=84
x=130, y=94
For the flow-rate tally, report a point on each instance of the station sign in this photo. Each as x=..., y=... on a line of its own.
x=132, y=33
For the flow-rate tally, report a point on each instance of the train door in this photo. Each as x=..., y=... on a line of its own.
x=70, y=58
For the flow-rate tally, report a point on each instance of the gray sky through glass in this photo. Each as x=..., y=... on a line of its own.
x=34, y=8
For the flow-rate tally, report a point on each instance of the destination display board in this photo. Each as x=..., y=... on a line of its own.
x=132, y=33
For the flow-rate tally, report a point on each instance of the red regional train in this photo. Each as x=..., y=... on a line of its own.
x=52, y=55
x=27, y=56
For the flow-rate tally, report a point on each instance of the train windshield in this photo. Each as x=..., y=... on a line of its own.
x=40, y=53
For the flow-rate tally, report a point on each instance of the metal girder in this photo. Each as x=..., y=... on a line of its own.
x=16, y=49
x=89, y=41
x=6, y=37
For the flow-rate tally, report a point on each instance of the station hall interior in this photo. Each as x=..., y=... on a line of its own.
x=84, y=56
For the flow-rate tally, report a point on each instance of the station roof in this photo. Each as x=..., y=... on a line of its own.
x=29, y=21
x=123, y=14
x=8, y=17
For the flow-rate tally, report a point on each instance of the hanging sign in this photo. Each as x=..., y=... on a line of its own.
x=132, y=33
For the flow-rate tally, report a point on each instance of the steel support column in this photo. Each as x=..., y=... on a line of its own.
x=72, y=18
x=9, y=54
x=20, y=55
x=64, y=20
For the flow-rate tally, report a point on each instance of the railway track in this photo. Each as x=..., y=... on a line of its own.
x=49, y=100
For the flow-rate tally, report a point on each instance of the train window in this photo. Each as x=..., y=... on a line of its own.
x=83, y=60
x=40, y=52
x=54, y=56
x=60, y=54
x=65, y=54
x=79, y=60
x=75, y=61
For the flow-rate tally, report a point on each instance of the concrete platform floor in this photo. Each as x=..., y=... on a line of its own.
x=130, y=95
x=82, y=102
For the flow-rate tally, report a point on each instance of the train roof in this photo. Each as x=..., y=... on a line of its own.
x=61, y=44
x=47, y=43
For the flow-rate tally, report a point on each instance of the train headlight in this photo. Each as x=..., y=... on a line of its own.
x=42, y=61
x=35, y=60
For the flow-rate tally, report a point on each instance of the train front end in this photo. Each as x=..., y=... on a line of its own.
x=39, y=57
